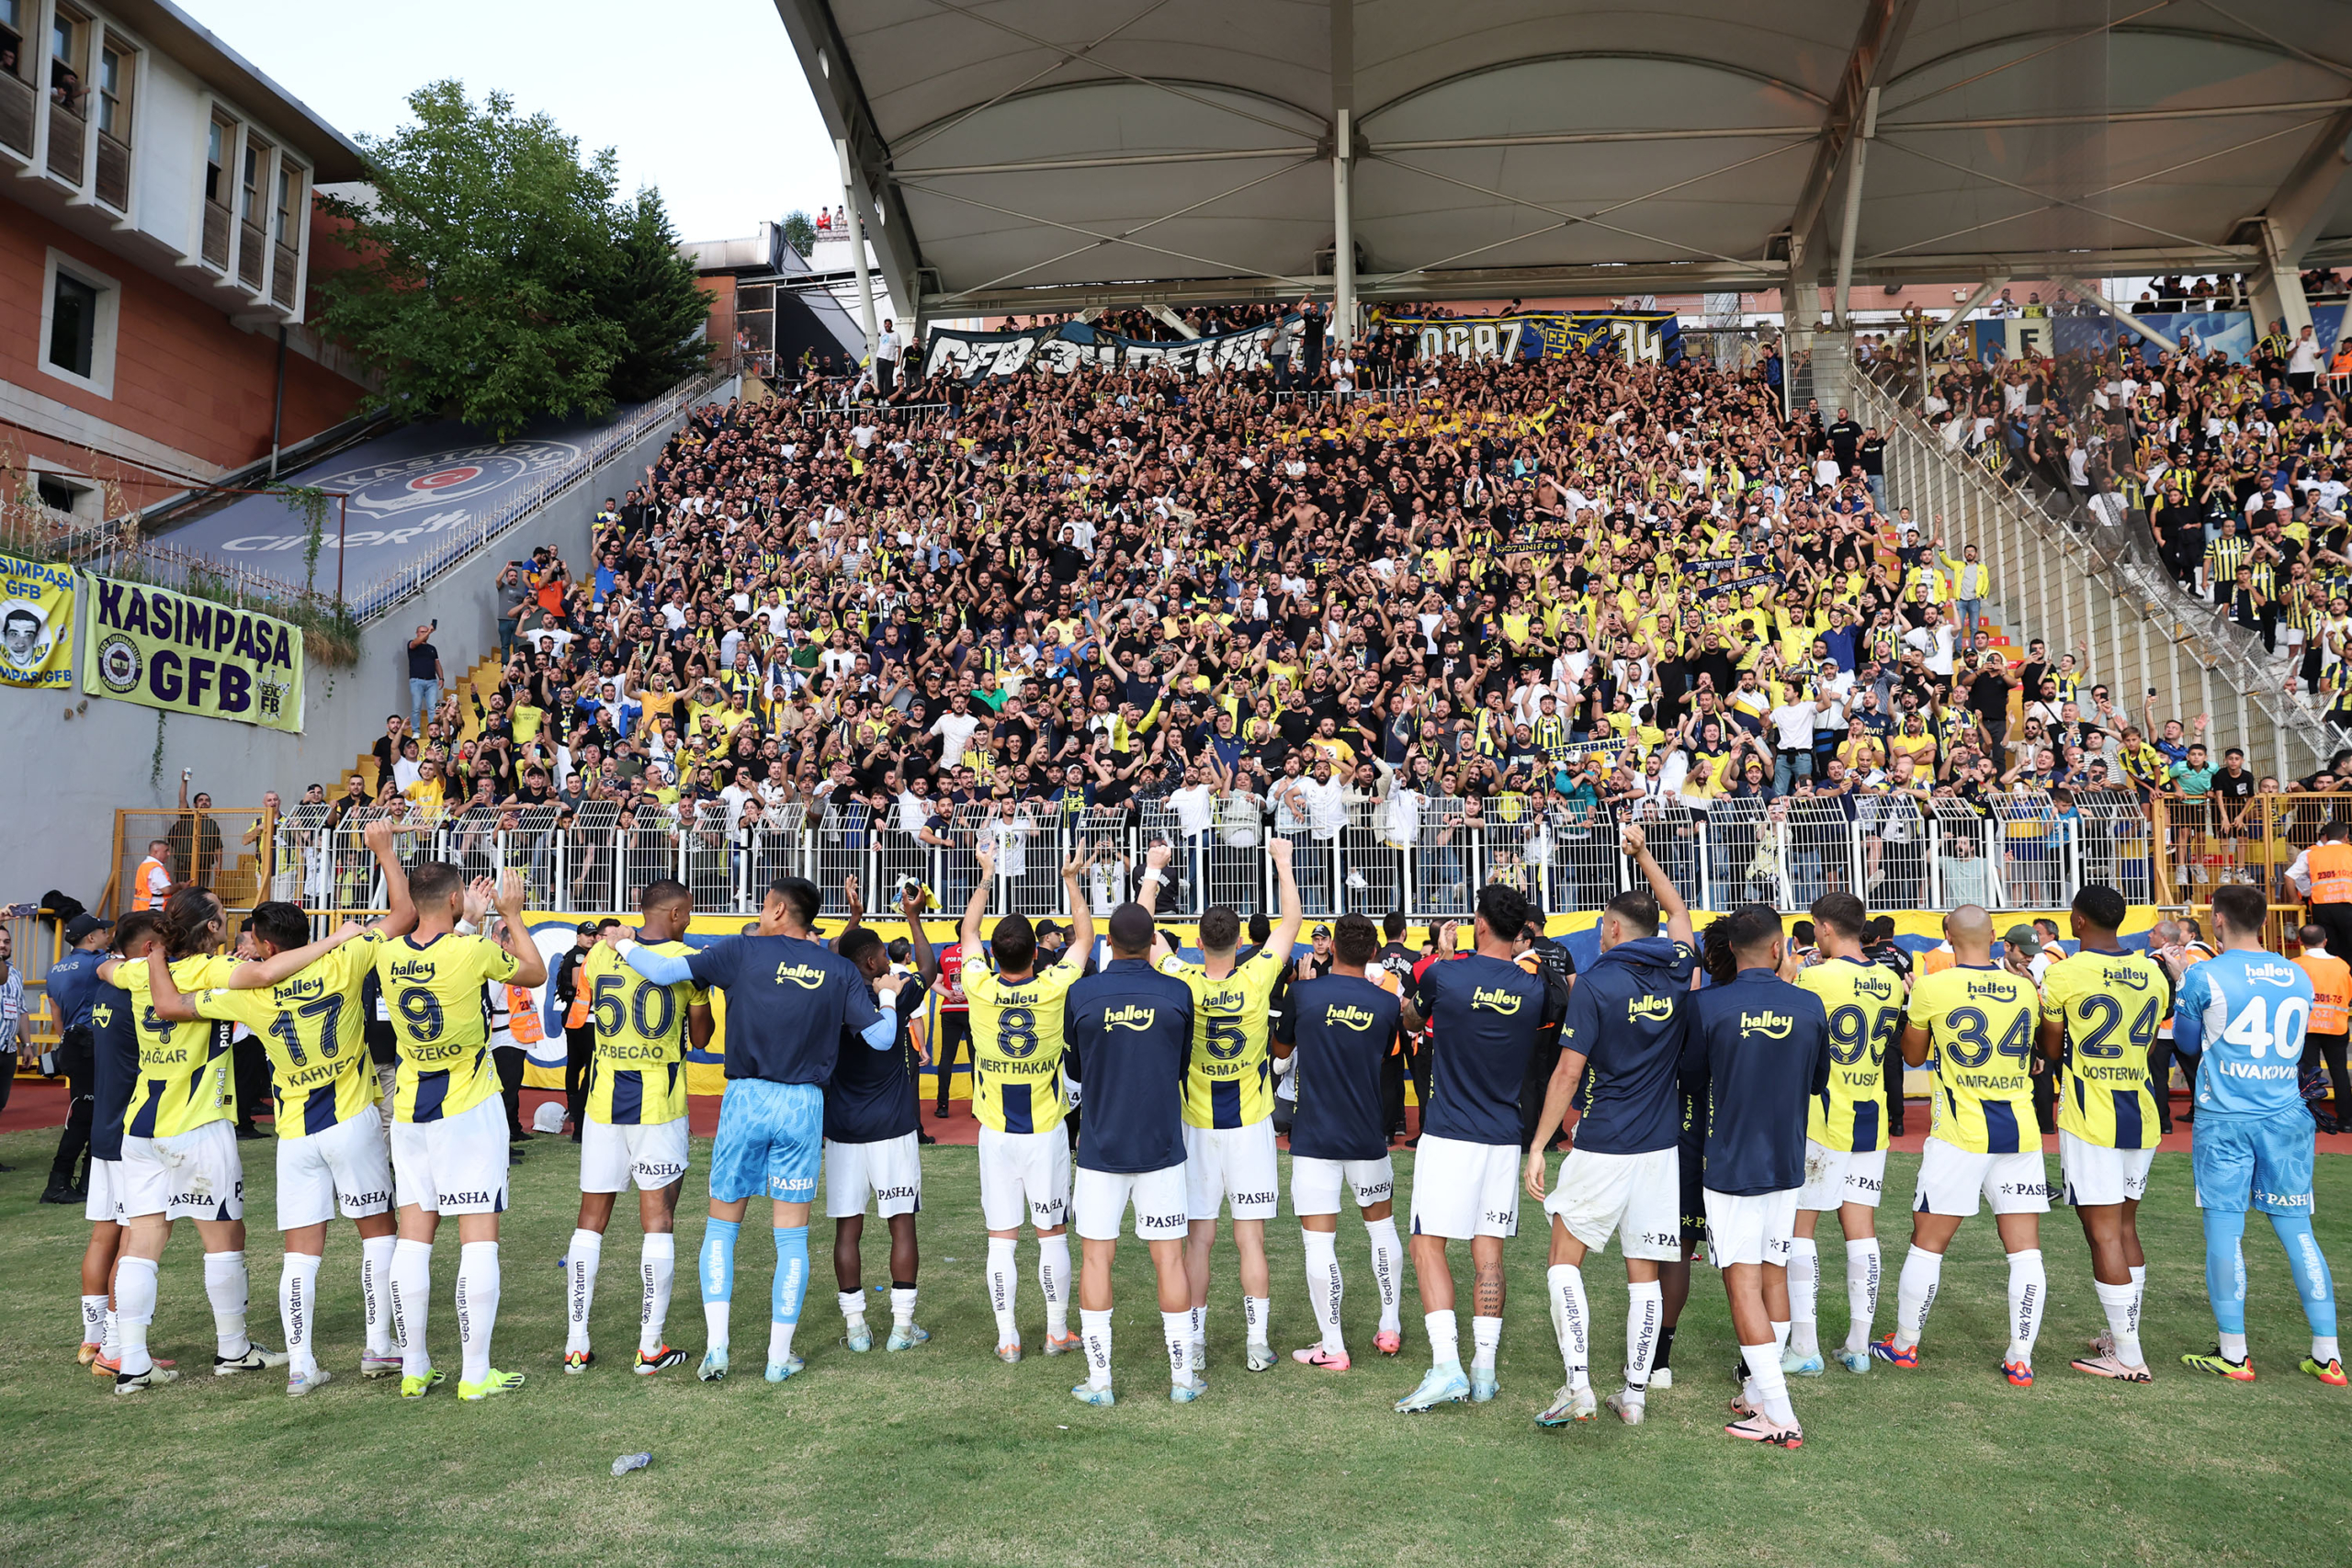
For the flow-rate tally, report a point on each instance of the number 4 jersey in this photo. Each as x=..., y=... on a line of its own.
x=2248, y=1013
x=2111, y=1004
x=1980, y=1023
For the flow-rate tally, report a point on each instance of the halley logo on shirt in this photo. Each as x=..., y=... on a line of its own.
x=102, y=1015
x=2273, y=973
x=1358, y=1019
x=807, y=977
x=1649, y=1010
x=412, y=969
x=1994, y=990
x=1872, y=986
x=1496, y=1000
x=2126, y=976
x=302, y=985
x=1134, y=1018
x=1771, y=1025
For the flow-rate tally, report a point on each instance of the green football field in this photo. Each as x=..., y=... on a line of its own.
x=944, y=1455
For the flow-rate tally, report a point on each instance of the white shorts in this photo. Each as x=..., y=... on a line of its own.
x=1232, y=1164
x=1102, y=1198
x=2097, y=1176
x=887, y=1173
x=345, y=1167
x=1835, y=1176
x=1754, y=1229
x=104, y=1201
x=1952, y=1181
x=191, y=1176
x=1637, y=1198
x=455, y=1166
x=1025, y=1176
x=1463, y=1189
x=1314, y=1183
x=652, y=1154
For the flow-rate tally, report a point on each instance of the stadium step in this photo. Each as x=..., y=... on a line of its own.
x=479, y=682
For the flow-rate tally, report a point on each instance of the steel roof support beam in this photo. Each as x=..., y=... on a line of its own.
x=2292, y=220
x=1343, y=153
x=824, y=60
x=1868, y=65
x=1967, y=308
x=2100, y=298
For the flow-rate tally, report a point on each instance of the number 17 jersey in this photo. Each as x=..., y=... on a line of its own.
x=1980, y=1023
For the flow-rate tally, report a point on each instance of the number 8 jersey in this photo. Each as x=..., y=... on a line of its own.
x=1980, y=1023
x=433, y=991
x=1017, y=1045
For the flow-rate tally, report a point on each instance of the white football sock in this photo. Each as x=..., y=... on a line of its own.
x=134, y=1297
x=1804, y=1295
x=1915, y=1294
x=478, y=1287
x=412, y=1277
x=852, y=1303
x=298, y=1307
x=1176, y=1328
x=1862, y=1264
x=2139, y=1293
x=903, y=1306
x=1094, y=1328
x=581, y=1260
x=110, y=1338
x=1254, y=1316
x=1645, y=1311
x=657, y=1268
x=1486, y=1338
x=780, y=1342
x=1780, y=1337
x=2324, y=1349
x=2232, y=1345
x=2029, y=1289
x=1768, y=1389
x=1324, y=1287
x=715, y=1328
x=1003, y=1280
x=1571, y=1321
x=2123, y=1321
x=225, y=1283
x=1053, y=1277
x=1384, y=1253
x=375, y=1292
x=1446, y=1345
x=94, y=1318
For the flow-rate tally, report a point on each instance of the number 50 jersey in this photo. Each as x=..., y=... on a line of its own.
x=1980, y=1023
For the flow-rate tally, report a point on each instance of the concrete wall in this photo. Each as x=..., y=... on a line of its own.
x=62, y=780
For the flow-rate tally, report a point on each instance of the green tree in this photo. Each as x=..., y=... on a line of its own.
x=479, y=261
x=799, y=232
x=651, y=291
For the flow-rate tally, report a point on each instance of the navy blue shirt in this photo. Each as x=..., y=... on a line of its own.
x=1487, y=1014
x=74, y=984
x=871, y=1095
x=787, y=1002
x=115, y=1038
x=1129, y=1030
x=1759, y=1050
x=1627, y=1015
x=1344, y=1027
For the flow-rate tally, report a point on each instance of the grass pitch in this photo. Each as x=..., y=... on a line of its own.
x=943, y=1455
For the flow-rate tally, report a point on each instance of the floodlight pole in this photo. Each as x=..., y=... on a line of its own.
x=1343, y=238
x=857, y=256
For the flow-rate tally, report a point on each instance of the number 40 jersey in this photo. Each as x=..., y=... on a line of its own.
x=2248, y=1016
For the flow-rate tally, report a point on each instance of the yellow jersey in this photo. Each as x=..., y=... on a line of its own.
x=186, y=1078
x=1228, y=1079
x=316, y=1036
x=637, y=1075
x=1980, y=1023
x=1864, y=1001
x=1017, y=1045
x=2110, y=1003
x=433, y=991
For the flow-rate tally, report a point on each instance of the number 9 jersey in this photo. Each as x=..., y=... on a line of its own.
x=433, y=991
x=1980, y=1023
x=2111, y=1004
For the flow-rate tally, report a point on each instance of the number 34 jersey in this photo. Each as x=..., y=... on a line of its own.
x=312, y=1027
x=1980, y=1023
x=2111, y=1004
x=1227, y=1082
x=434, y=992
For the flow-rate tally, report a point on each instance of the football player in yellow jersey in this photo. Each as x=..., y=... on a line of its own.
x=2100, y=1011
x=331, y=1149
x=1017, y=1047
x=635, y=1125
x=179, y=1147
x=449, y=1124
x=1229, y=1096
x=1975, y=1022
x=1845, y=1159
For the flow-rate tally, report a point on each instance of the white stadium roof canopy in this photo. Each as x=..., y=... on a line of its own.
x=1022, y=155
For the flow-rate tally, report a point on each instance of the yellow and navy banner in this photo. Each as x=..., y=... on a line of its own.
x=1634, y=335
x=167, y=650
x=36, y=624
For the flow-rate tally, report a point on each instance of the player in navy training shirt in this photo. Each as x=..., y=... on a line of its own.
x=1758, y=1049
x=1488, y=1013
x=1128, y=1032
x=1623, y=1175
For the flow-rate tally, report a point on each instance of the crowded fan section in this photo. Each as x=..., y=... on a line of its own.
x=1438, y=623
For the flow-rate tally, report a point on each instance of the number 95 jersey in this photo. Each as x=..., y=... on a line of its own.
x=1980, y=1023
x=433, y=991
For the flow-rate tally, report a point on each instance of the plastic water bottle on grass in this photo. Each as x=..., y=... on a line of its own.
x=628, y=1462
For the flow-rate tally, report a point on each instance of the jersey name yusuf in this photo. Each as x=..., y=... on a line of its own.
x=1864, y=1001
